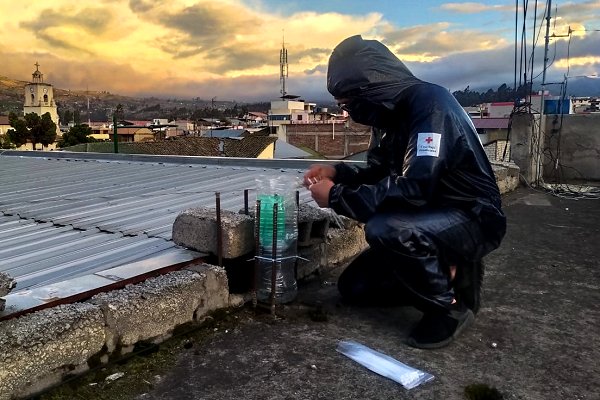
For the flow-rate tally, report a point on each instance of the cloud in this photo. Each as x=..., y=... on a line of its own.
x=431, y=42
x=230, y=48
x=319, y=69
x=142, y=6
x=474, y=8
x=57, y=28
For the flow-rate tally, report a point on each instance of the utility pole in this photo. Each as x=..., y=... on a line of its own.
x=115, y=119
x=540, y=139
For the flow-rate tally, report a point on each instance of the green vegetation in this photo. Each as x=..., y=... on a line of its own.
x=76, y=135
x=145, y=366
x=32, y=128
x=468, y=98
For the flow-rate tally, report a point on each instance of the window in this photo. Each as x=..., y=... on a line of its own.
x=45, y=98
x=300, y=117
x=32, y=97
x=279, y=117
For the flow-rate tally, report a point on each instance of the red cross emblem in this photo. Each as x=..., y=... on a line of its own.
x=429, y=139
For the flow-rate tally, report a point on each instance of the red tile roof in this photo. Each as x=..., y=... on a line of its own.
x=248, y=147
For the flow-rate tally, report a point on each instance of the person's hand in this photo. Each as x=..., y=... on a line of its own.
x=320, y=191
x=317, y=172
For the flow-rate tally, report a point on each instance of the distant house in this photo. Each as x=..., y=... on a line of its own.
x=224, y=133
x=4, y=124
x=490, y=129
x=134, y=134
x=335, y=140
x=255, y=118
x=101, y=131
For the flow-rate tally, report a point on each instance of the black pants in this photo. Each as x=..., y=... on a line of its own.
x=410, y=254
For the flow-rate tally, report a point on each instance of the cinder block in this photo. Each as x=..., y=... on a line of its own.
x=152, y=309
x=341, y=245
x=6, y=284
x=37, y=349
x=196, y=228
x=313, y=224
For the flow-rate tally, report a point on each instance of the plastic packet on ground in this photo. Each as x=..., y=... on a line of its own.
x=384, y=365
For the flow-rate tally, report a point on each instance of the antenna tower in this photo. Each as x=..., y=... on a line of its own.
x=283, y=67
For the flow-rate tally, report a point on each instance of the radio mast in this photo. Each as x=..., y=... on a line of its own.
x=283, y=67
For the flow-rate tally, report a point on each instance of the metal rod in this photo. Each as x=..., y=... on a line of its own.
x=274, y=259
x=256, y=252
x=297, y=227
x=246, y=201
x=219, y=229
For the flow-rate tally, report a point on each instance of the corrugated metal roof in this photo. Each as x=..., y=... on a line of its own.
x=491, y=123
x=62, y=217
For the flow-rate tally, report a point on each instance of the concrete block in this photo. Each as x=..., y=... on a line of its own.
x=6, y=284
x=313, y=224
x=344, y=244
x=152, y=309
x=196, y=228
x=37, y=349
x=507, y=176
x=341, y=246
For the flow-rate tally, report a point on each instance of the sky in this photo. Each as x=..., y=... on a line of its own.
x=229, y=49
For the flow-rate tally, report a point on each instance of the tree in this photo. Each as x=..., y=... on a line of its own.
x=33, y=128
x=77, y=117
x=5, y=142
x=41, y=129
x=19, y=134
x=77, y=134
x=67, y=117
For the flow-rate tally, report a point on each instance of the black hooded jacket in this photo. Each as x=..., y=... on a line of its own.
x=425, y=151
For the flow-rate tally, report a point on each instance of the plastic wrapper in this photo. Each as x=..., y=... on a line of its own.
x=279, y=191
x=384, y=365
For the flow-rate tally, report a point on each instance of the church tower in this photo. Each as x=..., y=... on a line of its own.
x=39, y=97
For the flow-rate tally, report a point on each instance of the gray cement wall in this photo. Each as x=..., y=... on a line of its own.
x=38, y=349
x=573, y=149
x=526, y=148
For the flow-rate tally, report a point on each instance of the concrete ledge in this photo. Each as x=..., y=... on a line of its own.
x=152, y=309
x=37, y=350
x=507, y=176
x=196, y=228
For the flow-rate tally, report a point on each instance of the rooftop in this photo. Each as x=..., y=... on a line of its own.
x=534, y=338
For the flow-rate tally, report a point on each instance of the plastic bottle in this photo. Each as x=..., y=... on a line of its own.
x=283, y=194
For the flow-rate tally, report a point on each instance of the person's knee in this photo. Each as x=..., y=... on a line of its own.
x=378, y=231
x=401, y=238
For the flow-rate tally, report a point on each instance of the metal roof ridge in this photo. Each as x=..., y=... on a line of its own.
x=172, y=159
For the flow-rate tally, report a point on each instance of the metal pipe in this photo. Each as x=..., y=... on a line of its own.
x=274, y=259
x=219, y=229
x=246, y=201
x=297, y=226
x=256, y=252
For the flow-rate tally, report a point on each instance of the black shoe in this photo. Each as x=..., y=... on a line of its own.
x=468, y=285
x=436, y=330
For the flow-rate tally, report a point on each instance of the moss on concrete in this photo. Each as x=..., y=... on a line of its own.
x=144, y=367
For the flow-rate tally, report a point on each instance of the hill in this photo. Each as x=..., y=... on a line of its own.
x=101, y=103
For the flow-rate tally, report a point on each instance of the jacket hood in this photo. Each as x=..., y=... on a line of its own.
x=369, y=69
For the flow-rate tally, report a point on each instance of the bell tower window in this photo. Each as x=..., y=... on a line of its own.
x=32, y=97
x=45, y=98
